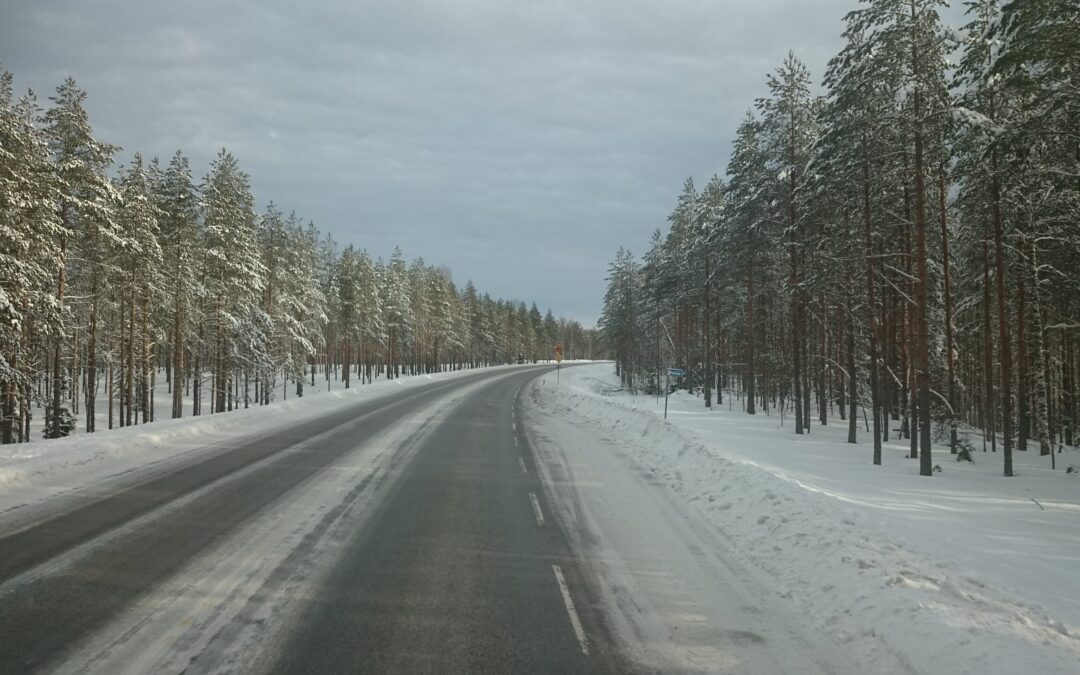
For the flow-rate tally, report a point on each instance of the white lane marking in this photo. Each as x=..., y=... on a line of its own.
x=521, y=462
x=536, y=509
x=575, y=621
x=514, y=424
x=515, y=441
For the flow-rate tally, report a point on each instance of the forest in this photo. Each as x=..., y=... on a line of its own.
x=113, y=279
x=900, y=249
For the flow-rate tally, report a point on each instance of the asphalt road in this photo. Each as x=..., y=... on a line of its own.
x=460, y=566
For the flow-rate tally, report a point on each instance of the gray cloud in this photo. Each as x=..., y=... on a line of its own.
x=519, y=143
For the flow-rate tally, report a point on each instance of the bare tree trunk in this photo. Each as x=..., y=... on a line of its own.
x=57, y=371
x=1003, y=318
x=220, y=369
x=796, y=313
x=1042, y=393
x=348, y=356
x=129, y=377
x=7, y=411
x=91, y=356
x=822, y=396
x=750, y=375
x=950, y=349
x=147, y=364
x=178, y=361
x=1023, y=405
x=707, y=347
x=922, y=336
x=111, y=395
x=119, y=385
x=871, y=304
x=853, y=396
x=988, y=379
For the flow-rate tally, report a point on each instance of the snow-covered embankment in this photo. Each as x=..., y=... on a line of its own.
x=32, y=472
x=960, y=573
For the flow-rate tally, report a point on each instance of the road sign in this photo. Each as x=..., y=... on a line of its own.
x=558, y=353
x=676, y=372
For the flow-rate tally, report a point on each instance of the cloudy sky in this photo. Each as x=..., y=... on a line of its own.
x=517, y=142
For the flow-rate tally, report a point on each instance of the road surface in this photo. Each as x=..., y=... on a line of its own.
x=412, y=533
x=450, y=569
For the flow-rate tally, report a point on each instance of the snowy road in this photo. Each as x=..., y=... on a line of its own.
x=401, y=534
x=453, y=527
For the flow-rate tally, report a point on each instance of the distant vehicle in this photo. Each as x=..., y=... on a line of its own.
x=521, y=359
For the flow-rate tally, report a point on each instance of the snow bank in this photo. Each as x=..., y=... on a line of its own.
x=959, y=573
x=31, y=472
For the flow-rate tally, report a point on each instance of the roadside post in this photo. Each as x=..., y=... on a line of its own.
x=677, y=372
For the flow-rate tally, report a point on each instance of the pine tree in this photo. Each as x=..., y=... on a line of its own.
x=179, y=235
x=234, y=277
x=30, y=256
x=87, y=200
x=788, y=132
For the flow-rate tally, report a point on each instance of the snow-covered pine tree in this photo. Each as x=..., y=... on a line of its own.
x=618, y=319
x=788, y=132
x=137, y=258
x=394, y=292
x=751, y=243
x=237, y=327
x=87, y=200
x=178, y=230
x=909, y=33
x=853, y=150
x=30, y=257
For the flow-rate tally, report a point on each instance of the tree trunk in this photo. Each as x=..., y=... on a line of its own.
x=1003, y=318
x=750, y=391
x=1042, y=393
x=1023, y=405
x=122, y=352
x=178, y=360
x=988, y=380
x=91, y=357
x=822, y=396
x=852, y=375
x=871, y=303
x=922, y=336
x=57, y=372
x=110, y=387
x=147, y=364
x=129, y=377
x=706, y=347
x=950, y=349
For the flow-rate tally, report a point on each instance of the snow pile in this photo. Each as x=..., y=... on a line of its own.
x=31, y=472
x=908, y=573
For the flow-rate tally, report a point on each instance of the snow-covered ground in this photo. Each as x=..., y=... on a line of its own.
x=964, y=572
x=35, y=471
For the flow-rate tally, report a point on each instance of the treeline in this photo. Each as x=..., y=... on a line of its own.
x=109, y=282
x=906, y=245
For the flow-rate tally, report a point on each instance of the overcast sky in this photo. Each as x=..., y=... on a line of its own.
x=518, y=143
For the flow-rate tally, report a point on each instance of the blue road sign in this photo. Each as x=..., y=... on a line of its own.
x=676, y=372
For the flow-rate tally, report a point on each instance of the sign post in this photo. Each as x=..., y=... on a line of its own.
x=677, y=372
x=667, y=388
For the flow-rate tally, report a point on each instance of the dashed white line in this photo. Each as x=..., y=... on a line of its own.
x=575, y=621
x=536, y=509
x=521, y=463
x=515, y=441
